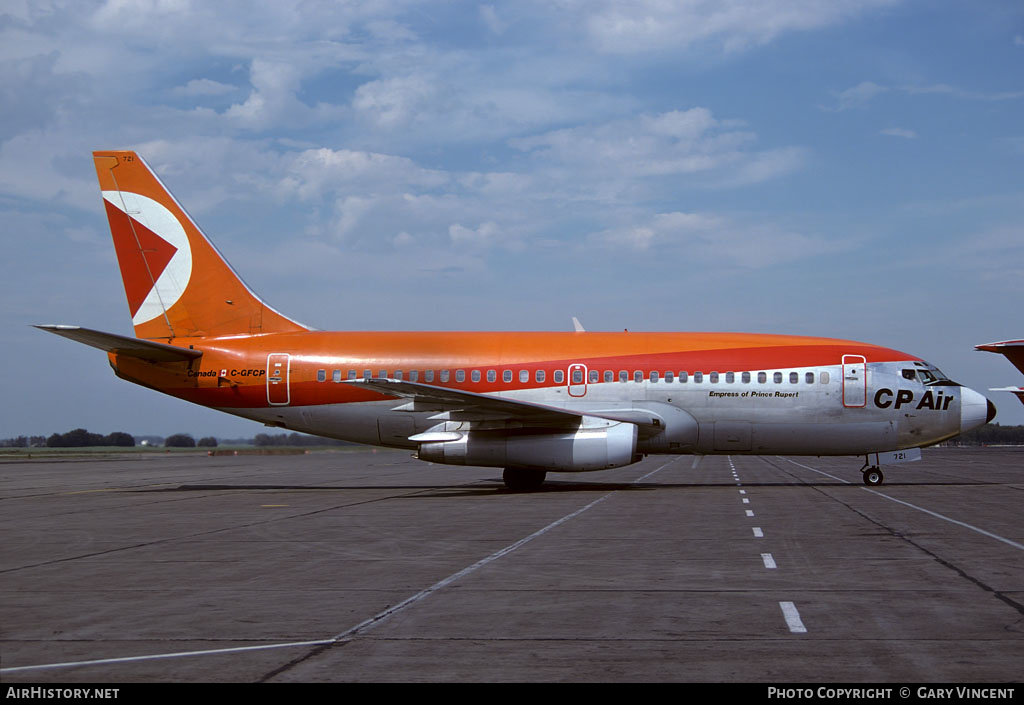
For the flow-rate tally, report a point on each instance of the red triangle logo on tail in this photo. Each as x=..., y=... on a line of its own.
x=142, y=254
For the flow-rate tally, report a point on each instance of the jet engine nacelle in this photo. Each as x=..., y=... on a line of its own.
x=584, y=449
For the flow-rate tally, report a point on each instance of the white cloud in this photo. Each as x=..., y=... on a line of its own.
x=491, y=20
x=714, y=239
x=899, y=132
x=319, y=173
x=485, y=235
x=860, y=95
x=395, y=101
x=204, y=87
x=273, y=102
x=856, y=97
x=619, y=26
x=674, y=143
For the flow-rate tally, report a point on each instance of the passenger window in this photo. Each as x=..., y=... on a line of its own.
x=668, y=376
x=623, y=376
x=475, y=375
x=321, y=375
x=506, y=376
x=460, y=375
x=638, y=376
x=762, y=377
x=823, y=377
x=539, y=376
x=714, y=378
x=809, y=378
x=683, y=377
x=559, y=376
x=414, y=375
x=367, y=374
x=745, y=378
x=524, y=376
x=336, y=375
x=593, y=375
x=577, y=376
x=777, y=378
x=428, y=376
x=609, y=376
x=382, y=374
x=492, y=376
x=351, y=374
x=698, y=377
x=445, y=375
x=654, y=376
x=794, y=378
x=398, y=374
x=730, y=377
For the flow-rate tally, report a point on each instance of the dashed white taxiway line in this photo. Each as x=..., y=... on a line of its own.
x=792, y=616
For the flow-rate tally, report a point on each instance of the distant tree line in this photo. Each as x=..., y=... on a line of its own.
x=24, y=442
x=185, y=440
x=294, y=439
x=80, y=438
x=991, y=434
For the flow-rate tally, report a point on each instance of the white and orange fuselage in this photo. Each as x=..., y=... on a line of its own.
x=527, y=402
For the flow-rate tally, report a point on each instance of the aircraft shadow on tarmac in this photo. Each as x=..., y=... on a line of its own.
x=496, y=487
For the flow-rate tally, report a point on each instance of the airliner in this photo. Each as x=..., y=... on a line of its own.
x=1012, y=350
x=529, y=403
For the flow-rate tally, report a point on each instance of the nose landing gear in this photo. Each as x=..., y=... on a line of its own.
x=872, y=475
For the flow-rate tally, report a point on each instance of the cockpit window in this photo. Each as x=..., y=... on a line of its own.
x=909, y=374
x=926, y=374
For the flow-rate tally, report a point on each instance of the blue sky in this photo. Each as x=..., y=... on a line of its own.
x=839, y=168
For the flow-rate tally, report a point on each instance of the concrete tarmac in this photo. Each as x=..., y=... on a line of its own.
x=371, y=566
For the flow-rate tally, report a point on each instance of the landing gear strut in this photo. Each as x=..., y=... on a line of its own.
x=523, y=479
x=872, y=475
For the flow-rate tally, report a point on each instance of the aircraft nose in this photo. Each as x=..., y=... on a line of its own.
x=975, y=410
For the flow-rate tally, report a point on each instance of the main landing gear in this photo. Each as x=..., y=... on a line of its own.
x=872, y=475
x=523, y=479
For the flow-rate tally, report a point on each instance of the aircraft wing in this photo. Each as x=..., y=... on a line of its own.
x=460, y=405
x=123, y=345
x=1012, y=349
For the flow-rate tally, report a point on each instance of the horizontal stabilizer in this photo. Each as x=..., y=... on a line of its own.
x=1019, y=391
x=123, y=345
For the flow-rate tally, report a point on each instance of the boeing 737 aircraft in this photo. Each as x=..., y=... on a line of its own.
x=1012, y=350
x=526, y=402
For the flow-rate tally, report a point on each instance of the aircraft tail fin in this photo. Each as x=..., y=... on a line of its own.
x=176, y=282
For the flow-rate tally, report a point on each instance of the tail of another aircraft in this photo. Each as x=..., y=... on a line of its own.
x=177, y=283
